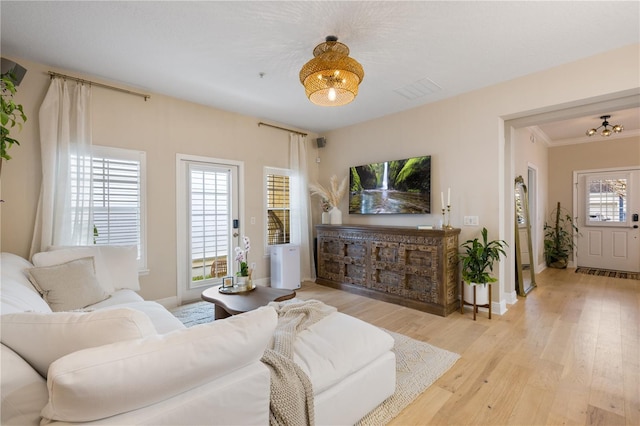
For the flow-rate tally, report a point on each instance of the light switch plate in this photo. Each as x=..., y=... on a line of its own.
x=471, y=221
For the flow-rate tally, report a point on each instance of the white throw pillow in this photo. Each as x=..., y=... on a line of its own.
x=43, y=338
x=59, y=255
x=69, y=286
x=122, y=262
x=116, y=266
x=100, y=382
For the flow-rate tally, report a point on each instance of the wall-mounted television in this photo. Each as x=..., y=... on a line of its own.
x=391, y=187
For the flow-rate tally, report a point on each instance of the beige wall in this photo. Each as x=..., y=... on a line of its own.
x=463, y=134
x=162, y=127
x=564, y=160
x=529, y=151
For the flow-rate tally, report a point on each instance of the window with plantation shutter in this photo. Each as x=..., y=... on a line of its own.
x=278, y=206
x=118, y=198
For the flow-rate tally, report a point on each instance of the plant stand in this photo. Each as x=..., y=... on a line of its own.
x=474, y=305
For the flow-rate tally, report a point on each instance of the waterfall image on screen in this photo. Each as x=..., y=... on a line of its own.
x=391, y=187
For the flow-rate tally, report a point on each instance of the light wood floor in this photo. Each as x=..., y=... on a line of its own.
x=568, y=353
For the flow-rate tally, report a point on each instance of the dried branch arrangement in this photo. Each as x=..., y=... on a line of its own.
x=333, y=194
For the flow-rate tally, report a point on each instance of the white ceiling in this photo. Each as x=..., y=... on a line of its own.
x=213, y=53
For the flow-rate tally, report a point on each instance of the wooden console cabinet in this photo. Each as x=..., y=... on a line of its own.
x=402, y=265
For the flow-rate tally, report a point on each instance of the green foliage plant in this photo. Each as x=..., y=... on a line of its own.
x=478, y=258
x=558, y=238
x=11, y=115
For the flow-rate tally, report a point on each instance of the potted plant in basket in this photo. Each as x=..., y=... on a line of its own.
x=558, y=238
x=477, y=260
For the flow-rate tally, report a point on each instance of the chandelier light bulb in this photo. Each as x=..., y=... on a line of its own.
x=591, y=132
x=332, y=94
x=606, y=132
x=617, y=128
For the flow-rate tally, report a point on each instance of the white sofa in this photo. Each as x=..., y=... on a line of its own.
x=123, y=360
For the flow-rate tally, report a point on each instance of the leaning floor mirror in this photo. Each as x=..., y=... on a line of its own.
x=525, y=273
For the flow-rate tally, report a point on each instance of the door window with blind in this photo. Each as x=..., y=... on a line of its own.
x=278, y=211
x=210, y=218
x=606, y=196
x=118, y=192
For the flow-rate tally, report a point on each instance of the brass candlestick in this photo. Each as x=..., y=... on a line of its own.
x=449, y=220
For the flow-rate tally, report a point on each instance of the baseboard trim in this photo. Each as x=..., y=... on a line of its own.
x=169, y=302
x=499, y=308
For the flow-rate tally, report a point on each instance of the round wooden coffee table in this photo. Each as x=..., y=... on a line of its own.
x=233, y=304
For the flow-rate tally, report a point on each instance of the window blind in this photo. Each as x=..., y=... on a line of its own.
x=278, y=209
x=116, y=201
x=210, y=205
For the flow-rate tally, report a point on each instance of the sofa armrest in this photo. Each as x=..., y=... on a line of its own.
x=112, y=379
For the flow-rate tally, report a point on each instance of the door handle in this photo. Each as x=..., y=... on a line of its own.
x=235, y=234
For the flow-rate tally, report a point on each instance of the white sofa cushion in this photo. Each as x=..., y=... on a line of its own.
x=23, y=390
x=120, y=264
x=84, y=386
x=18, y=294
x=125, y=298
x=43, y=338
x=336, y=347
x=160, y=317
x=64, y=255
x=68, y=286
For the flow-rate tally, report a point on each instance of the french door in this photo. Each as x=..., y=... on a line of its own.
x=608, y=204
x=207, y=215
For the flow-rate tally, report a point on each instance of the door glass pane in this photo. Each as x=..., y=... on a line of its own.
x=210, y=217
x=607, y=200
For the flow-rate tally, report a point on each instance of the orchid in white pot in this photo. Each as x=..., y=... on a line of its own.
x=242, y=257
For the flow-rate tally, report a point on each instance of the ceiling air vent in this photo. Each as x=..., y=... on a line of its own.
x=417, y=89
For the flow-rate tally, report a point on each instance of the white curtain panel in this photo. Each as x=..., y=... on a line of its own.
x=300, y=206
x=64, y=215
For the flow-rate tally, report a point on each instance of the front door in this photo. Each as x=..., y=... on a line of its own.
x=608, y=204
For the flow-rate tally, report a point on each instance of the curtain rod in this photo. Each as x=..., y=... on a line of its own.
x=281, y=128
x=93, y=83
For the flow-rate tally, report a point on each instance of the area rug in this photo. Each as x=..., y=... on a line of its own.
x=418, y=365
x=608, y=273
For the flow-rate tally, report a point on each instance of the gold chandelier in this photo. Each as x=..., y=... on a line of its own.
x=331, y=78
x=617, y=128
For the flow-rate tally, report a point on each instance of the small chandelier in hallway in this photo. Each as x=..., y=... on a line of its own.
x=608, y=128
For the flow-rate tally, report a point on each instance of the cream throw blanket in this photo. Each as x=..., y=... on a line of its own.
x=291, y=390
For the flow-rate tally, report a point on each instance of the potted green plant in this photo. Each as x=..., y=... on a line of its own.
x=11, y=114
x=558, y=238
x=477, y=259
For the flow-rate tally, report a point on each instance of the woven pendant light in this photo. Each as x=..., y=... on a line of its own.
x=331, y=78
